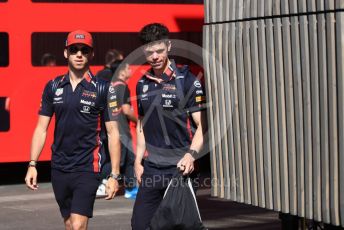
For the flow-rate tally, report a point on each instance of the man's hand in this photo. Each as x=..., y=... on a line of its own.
x=138, y=171
x=111, y=188
x=186, y=164
x=31, y=178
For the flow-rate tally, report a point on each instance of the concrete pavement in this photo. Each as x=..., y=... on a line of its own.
x=35, y=210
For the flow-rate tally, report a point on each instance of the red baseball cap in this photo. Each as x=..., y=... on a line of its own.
x=79, y=37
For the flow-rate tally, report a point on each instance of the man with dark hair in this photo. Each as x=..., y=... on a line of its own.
x=111, y=57
x=153, y=32
x=168, y=99
x=78, y=100
x=122, y=105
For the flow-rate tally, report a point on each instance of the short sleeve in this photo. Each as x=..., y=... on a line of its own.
x=112, y=105
x=46, y=107
x=193, y=87
x=126, y=99
x=123, y=94
x=138, y=99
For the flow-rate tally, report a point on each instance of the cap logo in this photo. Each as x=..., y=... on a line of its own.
x=80, y=36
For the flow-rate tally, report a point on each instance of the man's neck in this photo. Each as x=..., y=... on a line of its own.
x=77, y=75
x=122, y=78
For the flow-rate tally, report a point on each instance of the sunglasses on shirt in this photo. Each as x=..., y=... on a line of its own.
x=84, y=50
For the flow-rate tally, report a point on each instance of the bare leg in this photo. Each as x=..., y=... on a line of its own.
x=68, y=224
x=78, y=222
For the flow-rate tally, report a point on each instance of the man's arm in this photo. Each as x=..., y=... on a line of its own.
x=201, y=123
x=127, y=111
x=115, y=155
x=140, y=150
x=186, y=164
x=37, y=144
x=124, y=100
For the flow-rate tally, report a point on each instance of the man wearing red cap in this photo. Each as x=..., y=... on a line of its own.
x=79, y=101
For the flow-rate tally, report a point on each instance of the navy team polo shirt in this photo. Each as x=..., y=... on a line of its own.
x=165, y=105
x=77, y=116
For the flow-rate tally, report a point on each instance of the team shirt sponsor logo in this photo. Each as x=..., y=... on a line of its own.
x=91, y=103
x=57, y=100
x=180, y=77
x=113, y=97
x=111, y=89
x=200, y=98
x=197, y=84
x=167, y=104
x=145, y=88
x=144, y=97
x=113, y=104
x=85, y=109
x=59, y=91
x=90, y=94
x=169, y=87
x=168, y=95
x=199, y=91
x=80, y=36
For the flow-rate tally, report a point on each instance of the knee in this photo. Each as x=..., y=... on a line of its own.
x=78, y=225
x=68, y=224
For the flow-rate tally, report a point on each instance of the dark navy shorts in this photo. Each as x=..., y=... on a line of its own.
x=75, y=192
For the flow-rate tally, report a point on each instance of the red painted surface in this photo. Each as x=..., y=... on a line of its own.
x=23, y=83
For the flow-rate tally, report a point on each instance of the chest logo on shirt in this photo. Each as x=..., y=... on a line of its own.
x=85, y=109
x=59, y=91
x=168, y=104
x=144, y=97
x=90, y=94
x=91, y=103
x=57, y=100
x=145, y=88
x=164, y=95
x=169, y=87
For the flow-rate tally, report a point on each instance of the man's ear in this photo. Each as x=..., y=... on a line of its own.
x=65, y=53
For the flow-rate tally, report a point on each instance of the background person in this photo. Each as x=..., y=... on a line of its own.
x=111, y=57
x=48, y=59
x=122, y=106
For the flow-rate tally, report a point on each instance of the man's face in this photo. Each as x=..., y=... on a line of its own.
x=126, y=72
x=157, y=54
x=78, y=55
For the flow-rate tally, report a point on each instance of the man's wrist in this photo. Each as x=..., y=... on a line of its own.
x=192, y=152
x=137, y=161
x=115, y=176
x=32, y=163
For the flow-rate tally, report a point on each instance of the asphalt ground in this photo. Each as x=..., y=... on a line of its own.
x=35, y=210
